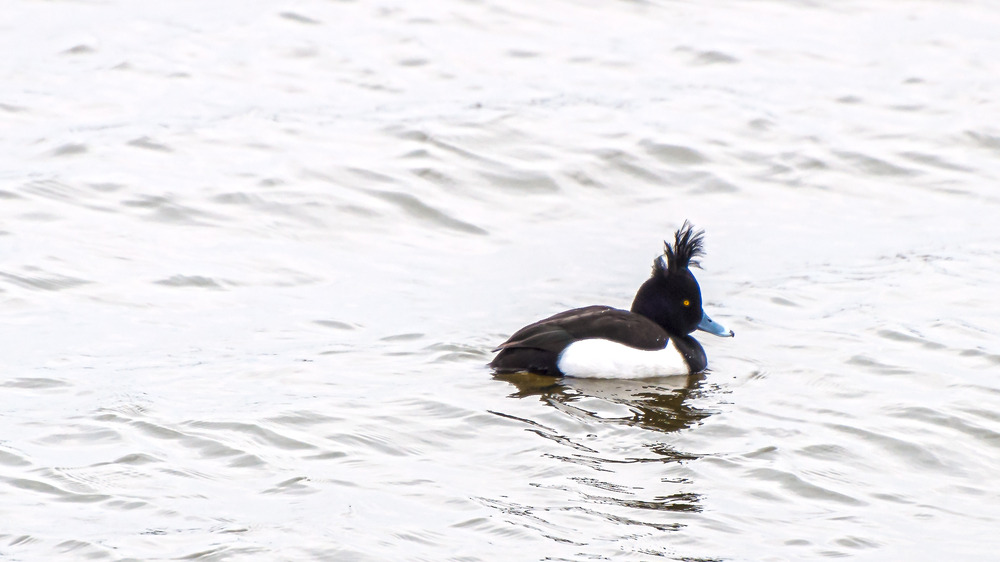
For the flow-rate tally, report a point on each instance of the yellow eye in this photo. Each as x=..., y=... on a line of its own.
x=687, y=302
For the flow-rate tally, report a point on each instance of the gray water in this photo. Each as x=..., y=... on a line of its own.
x=254, y=257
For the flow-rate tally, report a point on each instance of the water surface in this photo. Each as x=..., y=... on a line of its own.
x=253, y=260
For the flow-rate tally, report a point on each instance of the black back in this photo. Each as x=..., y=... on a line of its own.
x=536, y=347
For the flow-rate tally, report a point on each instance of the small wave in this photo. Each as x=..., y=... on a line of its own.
x=165, y=209
x=11, y=458
x=34, y=382
x=49, y=282
x=254, y=432
x=190, y=281
x=522, y=180
x=207, y=447
x=933, y=417
x=875, y=166
x=408, y=336
x=673, y=154
x=625, y=162
x=907, y=452
x=69, y=149
x=797, y=485
x=81, y=49
x=450, y=352
x=257, y=202
x=701, y=57
x=298, y=18
x=149, y=144
x=417, y=209
x=935, y=161
x=984, y=140
x=335, y=324
x=293, y=486
x=56, y=492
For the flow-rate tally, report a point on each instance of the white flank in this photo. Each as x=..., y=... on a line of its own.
x=597, y=358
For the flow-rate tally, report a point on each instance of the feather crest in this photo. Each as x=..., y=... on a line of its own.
x=688, y=245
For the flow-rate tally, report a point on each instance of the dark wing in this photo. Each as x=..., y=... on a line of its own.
x=536, y=347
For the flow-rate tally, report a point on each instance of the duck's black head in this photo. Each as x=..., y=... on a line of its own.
x=671, y=297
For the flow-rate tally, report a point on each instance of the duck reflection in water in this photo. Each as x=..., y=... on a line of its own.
x=655, y=407
x=662, y=405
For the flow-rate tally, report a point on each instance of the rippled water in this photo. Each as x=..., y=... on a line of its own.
x=254, y=257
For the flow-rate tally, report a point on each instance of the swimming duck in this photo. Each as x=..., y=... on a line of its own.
x=652, y=339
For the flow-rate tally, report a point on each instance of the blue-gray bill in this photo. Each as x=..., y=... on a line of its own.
x=713, y=327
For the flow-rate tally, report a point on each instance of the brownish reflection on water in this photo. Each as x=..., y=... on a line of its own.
x=616, y=441
x=655, y=408
x=661, y=404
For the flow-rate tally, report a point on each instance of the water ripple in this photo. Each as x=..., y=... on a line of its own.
x=190, y=281
x=149, y=144
x=417, y=209
x=57, y=493
x=44, y=282
x=164, y=208
x=254, y=258
x=795, y=484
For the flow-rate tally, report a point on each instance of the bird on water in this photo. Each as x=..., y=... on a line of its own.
x=651, y=339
